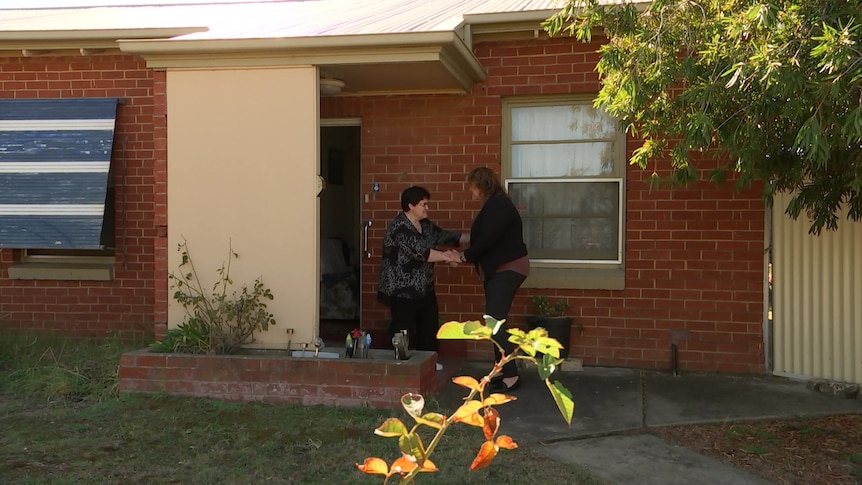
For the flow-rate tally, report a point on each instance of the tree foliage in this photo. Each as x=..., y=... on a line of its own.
x=772, y=87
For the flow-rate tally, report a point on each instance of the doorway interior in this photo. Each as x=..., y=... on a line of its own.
x=340, y=230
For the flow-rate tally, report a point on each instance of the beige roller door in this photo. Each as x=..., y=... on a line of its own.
x=817, y=299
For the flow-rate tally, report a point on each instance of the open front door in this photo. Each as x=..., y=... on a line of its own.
x=340, y=230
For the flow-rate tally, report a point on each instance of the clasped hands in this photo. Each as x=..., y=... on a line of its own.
x=453, y=256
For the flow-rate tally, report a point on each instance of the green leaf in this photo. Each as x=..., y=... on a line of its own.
x=537, y=340
x=518, y=337
x=452, y=330
x=493, y=323
x=471, y=330
x=411, y=446
x=476, y=329
x=547, y=366
x=434, y=420
x=548, y=345
x=563, y=399
x=390, y=428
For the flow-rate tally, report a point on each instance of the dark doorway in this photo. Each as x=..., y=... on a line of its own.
x=340, y=230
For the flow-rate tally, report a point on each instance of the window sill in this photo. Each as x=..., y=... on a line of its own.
x=576, y=278
x=62, y=271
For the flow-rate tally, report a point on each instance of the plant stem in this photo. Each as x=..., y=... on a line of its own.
x=498, y=367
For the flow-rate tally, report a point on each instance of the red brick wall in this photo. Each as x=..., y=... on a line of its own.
x=91, y=308
x=693, y=256
x=160, y=201
x=378, y=382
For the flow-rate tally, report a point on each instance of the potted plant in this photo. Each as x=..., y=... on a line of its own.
x=550, y=315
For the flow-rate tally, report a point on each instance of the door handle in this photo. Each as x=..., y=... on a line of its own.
x=365, y=236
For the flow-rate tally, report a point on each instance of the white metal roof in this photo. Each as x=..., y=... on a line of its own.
x=376, y=46
x=274, y=19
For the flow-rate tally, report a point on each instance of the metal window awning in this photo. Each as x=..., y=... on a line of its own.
x=55, y=155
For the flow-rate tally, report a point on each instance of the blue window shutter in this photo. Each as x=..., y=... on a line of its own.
x=54, y=160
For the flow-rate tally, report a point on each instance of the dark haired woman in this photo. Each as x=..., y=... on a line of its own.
x=406, y=281
x=498, y=252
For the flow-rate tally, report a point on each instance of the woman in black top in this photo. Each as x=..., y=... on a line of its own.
x=498, y=251
x=406, y=281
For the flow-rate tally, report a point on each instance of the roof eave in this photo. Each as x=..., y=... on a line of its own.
x=487, y=21
x=445, y=48
x=75, y=39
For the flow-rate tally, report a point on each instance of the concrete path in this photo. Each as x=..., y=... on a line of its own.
x=612, y=405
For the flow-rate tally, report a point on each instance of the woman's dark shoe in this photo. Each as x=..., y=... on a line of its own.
x=502, y=386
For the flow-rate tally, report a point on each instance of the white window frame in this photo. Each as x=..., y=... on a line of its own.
x=571, y=273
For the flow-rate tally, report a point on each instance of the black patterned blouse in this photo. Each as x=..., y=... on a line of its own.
x=405, y=272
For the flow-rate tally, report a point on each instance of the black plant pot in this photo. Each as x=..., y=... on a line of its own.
x=559, y=328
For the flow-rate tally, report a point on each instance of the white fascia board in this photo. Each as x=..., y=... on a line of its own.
x=446, y=47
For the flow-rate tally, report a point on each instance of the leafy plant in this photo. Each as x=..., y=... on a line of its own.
x=415, y=455
x=216, y=322
x=769, y=89
x=547, y=308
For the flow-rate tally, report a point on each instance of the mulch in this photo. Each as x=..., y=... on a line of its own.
x=801, y=451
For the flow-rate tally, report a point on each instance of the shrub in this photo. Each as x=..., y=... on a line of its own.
x=216, y=322
x=546, y=308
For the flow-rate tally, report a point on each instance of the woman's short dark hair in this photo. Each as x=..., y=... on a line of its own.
x=412, y=196
x=484, y=179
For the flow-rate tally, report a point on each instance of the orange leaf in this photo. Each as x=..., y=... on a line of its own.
x=403, y=465
x=496, y=398
x=468, y=382
x=374, y=465
x=492, y=423
x=486, y=454
x=474, y=419
x=468, y=413
x=506, y=442
x=428, y=466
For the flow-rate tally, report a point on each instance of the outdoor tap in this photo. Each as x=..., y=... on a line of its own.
x=396, y=344
x=401, y=343
x=289, y=337
x=318, y=343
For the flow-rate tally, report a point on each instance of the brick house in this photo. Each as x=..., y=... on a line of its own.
x=224, y=125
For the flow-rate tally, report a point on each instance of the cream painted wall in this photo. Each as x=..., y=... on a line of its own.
x=242, y=170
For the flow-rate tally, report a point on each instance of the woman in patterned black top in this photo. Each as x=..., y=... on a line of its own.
x=406, y=281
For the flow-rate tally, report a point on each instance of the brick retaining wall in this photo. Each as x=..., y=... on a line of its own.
x=378, y=382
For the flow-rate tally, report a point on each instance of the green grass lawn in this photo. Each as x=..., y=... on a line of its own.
x=62, y=422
